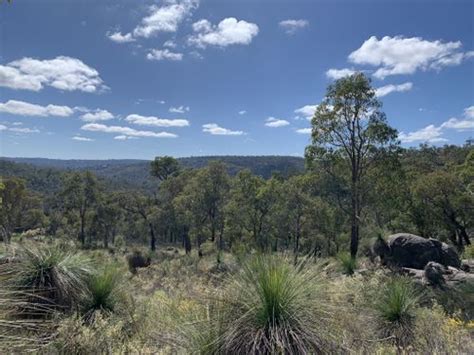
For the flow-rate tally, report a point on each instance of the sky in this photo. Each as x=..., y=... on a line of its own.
x=138, y=79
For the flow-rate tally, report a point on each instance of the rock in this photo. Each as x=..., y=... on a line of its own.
x=433, y=273
x=449, y=256
x=412, y=251
x=137, y=260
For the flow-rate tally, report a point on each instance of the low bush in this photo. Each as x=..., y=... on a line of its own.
x=272, y=306
x=347, y=263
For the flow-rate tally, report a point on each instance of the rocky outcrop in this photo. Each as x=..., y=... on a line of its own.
x=412, y=251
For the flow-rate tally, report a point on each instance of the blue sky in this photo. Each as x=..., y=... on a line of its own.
x=130, y=79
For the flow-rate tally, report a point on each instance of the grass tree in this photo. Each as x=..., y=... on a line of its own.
x=273, y=306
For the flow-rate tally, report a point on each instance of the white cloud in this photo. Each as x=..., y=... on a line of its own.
x=63, y=73
x=336, y=74
x=459, y=124
x=275, y=122
x=123, y=138
x=82, y=139
x=387, y=89
x=242, y=112
x=469, y=112
x=164, y=54
x=304, y=130
x=23, y=130
x=215, y=129
x=228, y=32
x=3, y=127
x=165, y=18
x=179, y=109
x=430, y=134
x=96, y=127
x=118, y=37
x=399, y=55
x=17, y=123
x=97, y=115
x=306, y=111
x=292, y=26
x=170, y=44
x=22, y=108
x=155, y=121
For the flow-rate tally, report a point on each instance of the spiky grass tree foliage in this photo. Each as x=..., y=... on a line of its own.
x=48, y=275
x=347, y=263
x=396, y=306
x=104, y=291
x=271, y=307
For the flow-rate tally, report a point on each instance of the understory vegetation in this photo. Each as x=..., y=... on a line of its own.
x=182, y=303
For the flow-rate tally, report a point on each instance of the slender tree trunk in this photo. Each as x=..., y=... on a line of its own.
x=297, y=239
x=153, y=237
x=82, y=235
x=354, y=226
x=186, y=241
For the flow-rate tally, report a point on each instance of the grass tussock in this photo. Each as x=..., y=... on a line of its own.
x=272, y=306
x=49, y=275
x=396, y=307
x=347, y=263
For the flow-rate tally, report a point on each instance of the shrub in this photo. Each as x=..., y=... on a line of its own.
x=347, y=262
x=272, y=306
x=468, y=252
x=104, y=292
x=49, y=274
x=396, y=305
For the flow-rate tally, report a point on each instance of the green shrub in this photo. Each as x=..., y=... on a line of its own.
x=347, y=263
x=468, y=252
x=396, y=305
x=272, y=306
x=104, y=292
x=51, y=274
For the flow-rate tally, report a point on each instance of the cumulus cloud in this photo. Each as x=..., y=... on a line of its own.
x=164, y=54
x=82, y=139
x=306, y=111
x=387, y=89
x=434, y=133
x=293, y=26
x=215, y=129
x=127, y=131
x=400, y=55
x=336, y=74
x=161, y=18
x=3, y=127
x=275, y=122
x=179, y=109
x=469, y=112
x=118, y=37
x=63, y=73
x=97, y=115
x=463, y=124
x=22, y=108
x=155, y=121
x=304, y=130
x=170, y=44
x=228, y=32
x=430, y=134
x=242, y=112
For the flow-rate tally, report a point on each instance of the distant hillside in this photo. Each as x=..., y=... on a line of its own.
x=136, y=172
